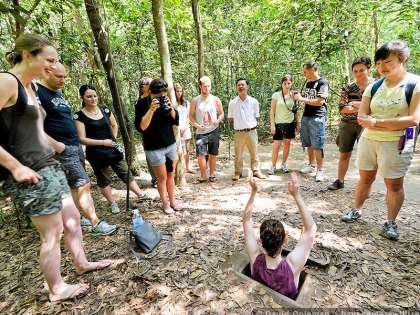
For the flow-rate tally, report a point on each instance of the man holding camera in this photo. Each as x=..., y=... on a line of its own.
x=62, y=132
x=244, y=111
x=312, y=132
x=206, y=113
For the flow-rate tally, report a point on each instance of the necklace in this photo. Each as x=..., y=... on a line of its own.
x=97, y=112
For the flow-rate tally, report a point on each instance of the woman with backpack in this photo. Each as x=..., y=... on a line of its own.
x=388, y=117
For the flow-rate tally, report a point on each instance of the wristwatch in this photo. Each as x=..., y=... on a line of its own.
x=373, y=122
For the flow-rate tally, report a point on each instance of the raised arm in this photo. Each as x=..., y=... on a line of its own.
x=252, y=247
x=297, y=258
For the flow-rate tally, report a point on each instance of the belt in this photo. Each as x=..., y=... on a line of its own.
x=354, y=121
x=247, y=129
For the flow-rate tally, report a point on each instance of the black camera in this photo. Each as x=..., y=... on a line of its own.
x=163, y=104
x=294, y=109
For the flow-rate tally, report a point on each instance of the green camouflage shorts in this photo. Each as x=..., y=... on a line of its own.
x=42, y=198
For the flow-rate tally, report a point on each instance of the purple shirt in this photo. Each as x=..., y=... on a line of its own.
x=280, y=279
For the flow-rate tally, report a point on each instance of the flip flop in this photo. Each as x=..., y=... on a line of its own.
x=72, y=295
x=199, y=181
x=169, y=212
x=98, y=266
x=145, y=197
x=192, y=171
x=212, y=179
x=178, y=208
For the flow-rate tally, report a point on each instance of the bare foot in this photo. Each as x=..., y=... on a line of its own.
x=68, y=292
x=192, y=171
x=92, y=266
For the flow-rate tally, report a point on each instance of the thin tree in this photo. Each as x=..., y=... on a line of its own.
x=199, y=36
x=125, y=126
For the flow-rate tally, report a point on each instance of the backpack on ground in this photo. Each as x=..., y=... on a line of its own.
x=7, y=137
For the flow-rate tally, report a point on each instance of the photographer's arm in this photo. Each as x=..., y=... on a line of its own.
x=147, y=118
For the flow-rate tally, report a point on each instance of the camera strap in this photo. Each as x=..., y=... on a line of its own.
x=284, y=100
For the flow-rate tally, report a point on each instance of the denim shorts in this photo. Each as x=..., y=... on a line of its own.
x=72, y=161
x=158, y=157
x=383, y=157
x=312, y=132
x=41, y=198
x=207, y=143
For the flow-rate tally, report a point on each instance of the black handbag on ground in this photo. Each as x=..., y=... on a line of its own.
x=147, y=238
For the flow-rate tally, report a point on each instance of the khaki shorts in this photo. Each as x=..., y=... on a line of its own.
x=348, y=134
x=42, y=198
x=383, y=157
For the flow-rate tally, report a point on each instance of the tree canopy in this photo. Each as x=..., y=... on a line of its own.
x=260, y=40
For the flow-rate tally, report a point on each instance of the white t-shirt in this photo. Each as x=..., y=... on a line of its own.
x=244, y=113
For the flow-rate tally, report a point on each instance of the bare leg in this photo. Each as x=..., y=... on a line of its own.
x=162, y=176
x=275, y=152
x=394, y=196
x=74, y=240
x=202, y=164
x=136, y=189
x=84, y=201
x=212, y=164
x=343, y=165
x=286, y=150
x=319, y=159
x=311, y=156
x=170, y=186
x=107, y=193
x=363, y=187
x=50, y=228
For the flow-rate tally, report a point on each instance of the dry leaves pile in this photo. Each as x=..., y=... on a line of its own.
x=190, y=277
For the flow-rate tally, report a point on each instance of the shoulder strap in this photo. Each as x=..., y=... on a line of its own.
x=409, y=88
x=375, y=87
x=155, y=254
x=109, y=122
x=21, y=104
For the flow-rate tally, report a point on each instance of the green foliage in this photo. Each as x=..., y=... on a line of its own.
x=261, y=40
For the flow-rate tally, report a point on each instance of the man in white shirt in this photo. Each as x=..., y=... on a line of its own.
x=244, y=111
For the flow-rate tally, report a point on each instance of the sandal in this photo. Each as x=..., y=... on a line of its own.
x=192, y=171
x=145, y=197
x=199, y=181
x=212, y=179
x=177, y=208
x=170, y=211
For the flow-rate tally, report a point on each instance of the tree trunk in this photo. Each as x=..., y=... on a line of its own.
x=165, y=64
x=125, y=126
x=199, y=35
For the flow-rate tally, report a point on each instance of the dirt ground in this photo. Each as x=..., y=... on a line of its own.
x=194, y=276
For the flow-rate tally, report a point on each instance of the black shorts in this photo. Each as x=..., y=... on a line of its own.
x=285, y=131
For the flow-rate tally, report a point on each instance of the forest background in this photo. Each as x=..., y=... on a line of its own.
x=260, y=40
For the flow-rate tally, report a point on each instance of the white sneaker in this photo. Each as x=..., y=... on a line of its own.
x=319, y=176
x=114, y=208
x=272, y=170
x=284, y=168
x=308, y=169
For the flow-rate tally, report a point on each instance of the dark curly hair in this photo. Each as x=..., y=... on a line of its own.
x=272, y=236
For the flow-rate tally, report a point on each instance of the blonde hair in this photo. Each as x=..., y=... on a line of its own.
x=204, y=80
x=33, y=43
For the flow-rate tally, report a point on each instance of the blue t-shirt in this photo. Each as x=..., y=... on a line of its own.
x=59, y=123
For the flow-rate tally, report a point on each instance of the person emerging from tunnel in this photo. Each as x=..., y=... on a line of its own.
x=267, y=265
